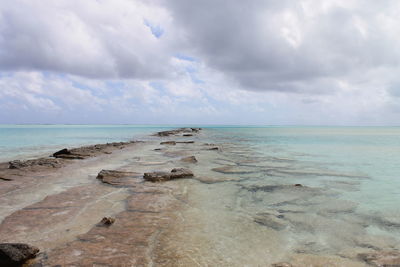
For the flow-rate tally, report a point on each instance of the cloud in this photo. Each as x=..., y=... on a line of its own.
x=97, y=39
x=159, y=61
x=291, y=46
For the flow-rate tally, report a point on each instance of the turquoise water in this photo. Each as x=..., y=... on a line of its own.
x=27, y=141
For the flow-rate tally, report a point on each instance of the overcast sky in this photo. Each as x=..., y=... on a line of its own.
x=200, y=62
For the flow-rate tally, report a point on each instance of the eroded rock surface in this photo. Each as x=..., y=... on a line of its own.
x=15, y=254
x=175, y=173
x=117, y=178
x=41, y=162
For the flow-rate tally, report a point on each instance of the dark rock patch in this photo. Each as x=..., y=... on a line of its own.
x=16, y=254
x=106, y=221
x=172, y=143
x=185, y=142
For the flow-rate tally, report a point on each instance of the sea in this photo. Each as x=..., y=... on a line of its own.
x=348, y=177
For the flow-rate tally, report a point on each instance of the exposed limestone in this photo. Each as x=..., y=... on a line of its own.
x=41, y=162
x=191, y=159
x=381, y=258
x=90, y=151
x=172, y=143
x=130, y=240
x=117, y=178
x=178, y=131
x=16, y=254
x=175, y=173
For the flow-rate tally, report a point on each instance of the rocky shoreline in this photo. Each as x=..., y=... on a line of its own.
x=158, y=203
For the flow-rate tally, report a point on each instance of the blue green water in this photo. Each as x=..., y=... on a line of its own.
x=27, y=141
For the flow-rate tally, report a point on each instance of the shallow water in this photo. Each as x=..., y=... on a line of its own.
x=243, y=208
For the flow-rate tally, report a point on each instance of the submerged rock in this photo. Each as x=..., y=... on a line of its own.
x=282, y=264
x=233, y=170
x=176, y=173
x=270, y=220
x=191, y=159
x=172, y=143
x=113, y=177
x=15, y=254
x=381, y=258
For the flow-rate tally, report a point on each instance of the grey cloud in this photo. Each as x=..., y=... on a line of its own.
x=247, y=40
x=88, y=38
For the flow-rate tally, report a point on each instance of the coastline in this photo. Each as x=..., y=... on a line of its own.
x=58, y=207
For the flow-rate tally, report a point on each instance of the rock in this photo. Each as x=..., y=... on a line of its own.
x=187, y=135
x=185, y=142
x=5, y=179
x=15, y=254
x=45, y=162
x=214, y=180
x=62, y=152
x=271, y=221
x=233, y=170
x=214, y=148
x=282, y=264
x=299, y=185
x=191, y=159
x=113, y=177
x=381, y=258
x=106, y=221
x=157, y=149
x=172, y=143
x=176, y=173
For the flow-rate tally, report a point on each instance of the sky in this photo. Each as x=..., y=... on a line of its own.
x=286, y=62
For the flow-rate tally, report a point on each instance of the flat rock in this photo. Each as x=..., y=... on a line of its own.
x=271, y=221
x=175, y=173
x=172, y=143
x=232, y=170
x=381, y=258
x=191, y=159
x=15, y=254
x=118, y=178
x=41, y=162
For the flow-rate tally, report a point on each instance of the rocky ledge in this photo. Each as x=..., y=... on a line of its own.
x=180, y=131
x=175, y=173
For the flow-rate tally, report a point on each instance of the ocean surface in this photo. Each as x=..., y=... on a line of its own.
x=350, y=177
